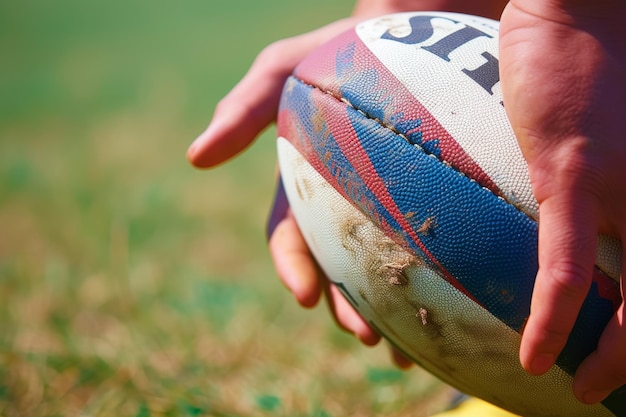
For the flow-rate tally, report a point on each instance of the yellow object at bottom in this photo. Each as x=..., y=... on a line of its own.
x=473, y=407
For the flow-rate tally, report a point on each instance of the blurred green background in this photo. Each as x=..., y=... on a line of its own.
x=130, y=283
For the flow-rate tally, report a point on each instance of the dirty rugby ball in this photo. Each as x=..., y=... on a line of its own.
x=408, y=185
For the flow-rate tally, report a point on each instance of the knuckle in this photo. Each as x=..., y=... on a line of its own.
x=555, y=333
x=552, y=336
x=570, y=165
x=274, y=53
x=571, y=280
x=221, y=105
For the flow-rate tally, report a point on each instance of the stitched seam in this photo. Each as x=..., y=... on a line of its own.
x=403, y=136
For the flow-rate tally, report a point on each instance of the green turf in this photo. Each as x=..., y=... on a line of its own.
x=132, y=284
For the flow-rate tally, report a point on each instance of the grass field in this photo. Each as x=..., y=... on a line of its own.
x=130, y=283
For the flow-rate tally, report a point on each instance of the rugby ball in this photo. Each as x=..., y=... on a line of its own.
x=406, y=180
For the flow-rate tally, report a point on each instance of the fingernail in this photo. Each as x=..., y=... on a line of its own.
x=193, y=148
x=202, y=136
x=197, y=140
x=542, y=363
x=594, y=397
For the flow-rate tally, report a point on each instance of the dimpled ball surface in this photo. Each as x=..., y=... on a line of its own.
x=408, y=185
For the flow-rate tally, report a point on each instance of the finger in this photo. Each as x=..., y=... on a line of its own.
x=567, y=240
x=348, y=318
x=253, y=103
x=605, y=369
x=299, y=272
x=400, y=360
x=294, y=263
x=243, y=113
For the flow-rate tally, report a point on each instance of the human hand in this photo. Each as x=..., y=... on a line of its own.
x=563, y=77
x=303, y=277
x=238, y=119
x=252, y=105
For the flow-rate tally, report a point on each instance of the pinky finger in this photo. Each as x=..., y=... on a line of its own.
x=294, y=263
x=400, y=360
x=605, y=369
x=348, y=318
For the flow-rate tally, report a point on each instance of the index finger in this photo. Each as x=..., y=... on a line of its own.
x=567, y=243
x=243, y=113
x=253, y=103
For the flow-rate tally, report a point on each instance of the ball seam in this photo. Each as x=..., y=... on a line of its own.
x=396, y=132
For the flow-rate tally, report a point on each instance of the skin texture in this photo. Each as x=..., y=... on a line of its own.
x=563, y=76
x=253, y=104
x=564, y=101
